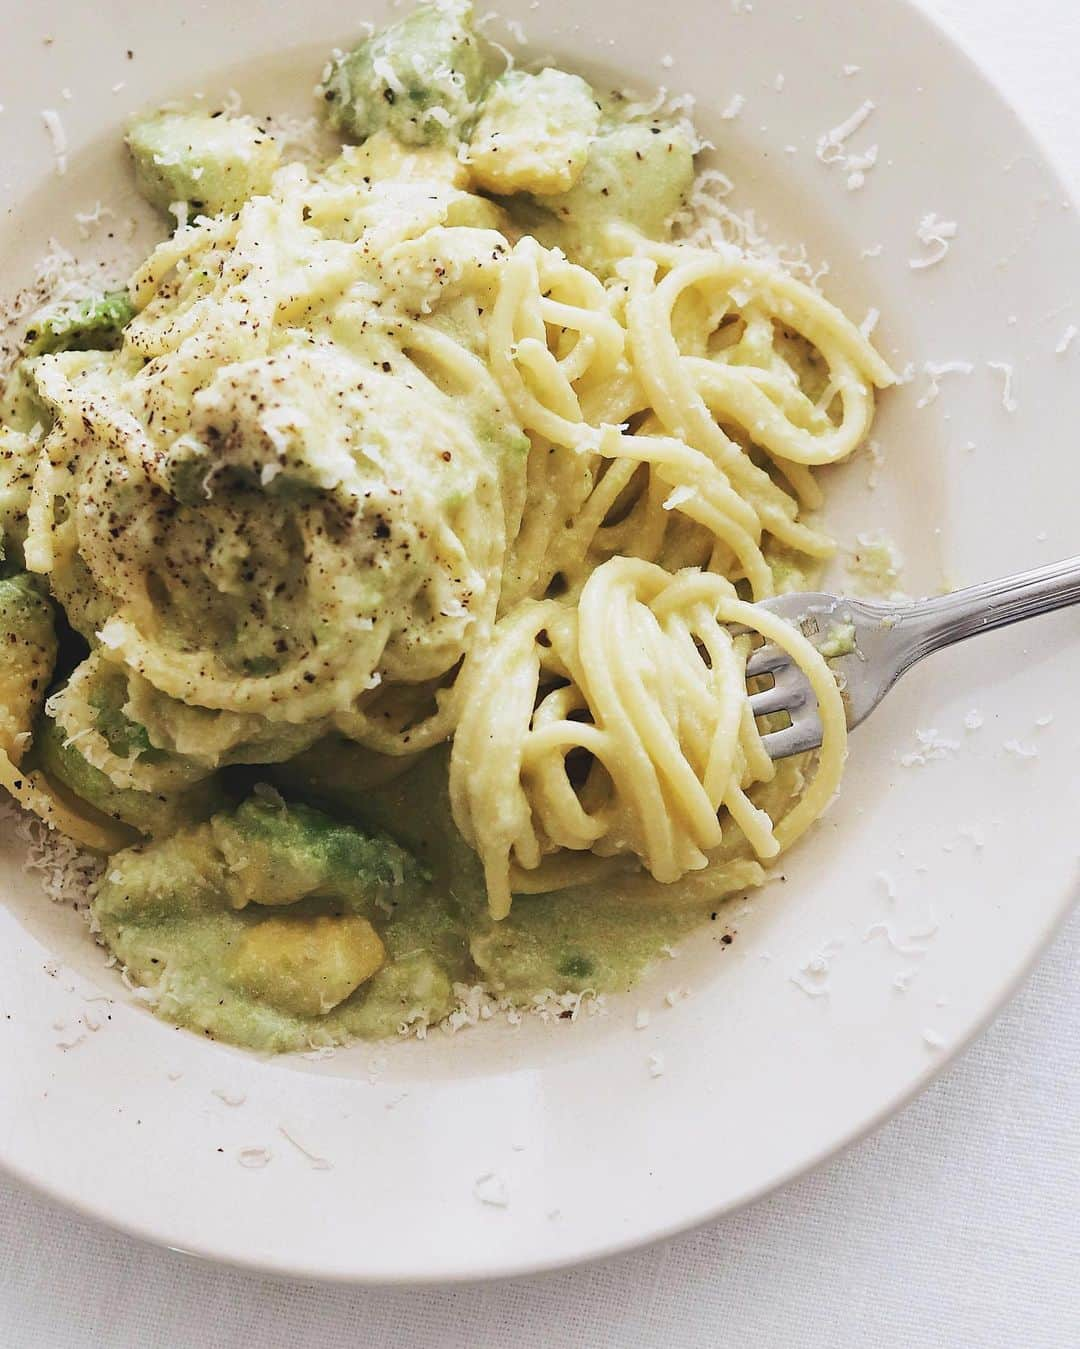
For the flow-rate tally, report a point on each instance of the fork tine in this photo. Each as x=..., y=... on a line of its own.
x=801, y=735
x=766, y=659
x=777, y=699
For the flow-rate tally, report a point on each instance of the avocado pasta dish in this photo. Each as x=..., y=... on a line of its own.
x=380, y=565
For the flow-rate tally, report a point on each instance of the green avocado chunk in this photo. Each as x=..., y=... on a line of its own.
x=363, y=946
x=152, y=813
x=95, y=324
x=278, y=853
x=637, y=174
x=214, y=163
x=420, y=78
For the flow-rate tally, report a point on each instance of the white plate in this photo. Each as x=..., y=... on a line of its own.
x=761, y=1080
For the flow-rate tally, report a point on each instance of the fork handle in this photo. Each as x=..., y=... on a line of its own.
x=928, y=625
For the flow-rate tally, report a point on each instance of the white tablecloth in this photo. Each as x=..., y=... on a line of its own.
x=957, y=1225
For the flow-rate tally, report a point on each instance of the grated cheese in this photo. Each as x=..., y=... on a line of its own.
x=476, y=1003
x=1005, y=369
x=931, y=746
x=1066, y=339
x=876, y=455
x=813, y=975
x=904, y=946
x=734, y=107
x=935, y=235
x=317, y=1163
x=88, y=221
x=935, y=372
x=830, y=146
x=655, y=1062
x=491, y=1189
x=65, y=873
x=57, y=136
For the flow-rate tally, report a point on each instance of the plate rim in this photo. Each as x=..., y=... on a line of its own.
x=645, y=1237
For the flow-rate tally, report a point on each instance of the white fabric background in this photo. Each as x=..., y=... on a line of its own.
x=958, y=1225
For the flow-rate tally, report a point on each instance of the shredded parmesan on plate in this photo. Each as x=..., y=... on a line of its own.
x=831, y=147
x=905, y=946
x=1005, y=369
x=58, y=137
x=66, y=874
x=813, y=975
x=935, y=371
x=935, y=235
x=491, y=1189
x=476, y=1003
x=709, y=221
x=1066, y=339
x=931, y=746
x=317, y=1163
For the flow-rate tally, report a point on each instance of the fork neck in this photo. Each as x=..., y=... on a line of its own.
x=930, y=624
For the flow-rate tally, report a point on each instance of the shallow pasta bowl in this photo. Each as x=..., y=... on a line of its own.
x=890, y=935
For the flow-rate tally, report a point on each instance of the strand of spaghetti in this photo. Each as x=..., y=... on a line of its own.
x=35, y=793
x=830, y=765
x=488, y=806
x=613, y=647
x=802, y=307
x=713, y=503
x=733, y=396
x=203, y=678
x=839, y=341
x=559, y=396
x=805, y=486
x=177, y=248
x=684, y=414
x=517, y=284
x=405, y=729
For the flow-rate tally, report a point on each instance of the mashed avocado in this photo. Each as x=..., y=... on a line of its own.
x=281, y=927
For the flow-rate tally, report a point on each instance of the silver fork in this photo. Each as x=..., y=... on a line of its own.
x=888, y=639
